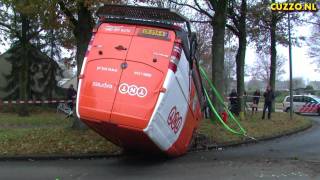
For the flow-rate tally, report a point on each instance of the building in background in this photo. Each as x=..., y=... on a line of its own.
x=43, y=72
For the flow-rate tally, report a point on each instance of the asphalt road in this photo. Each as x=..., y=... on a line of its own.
x=292, y=157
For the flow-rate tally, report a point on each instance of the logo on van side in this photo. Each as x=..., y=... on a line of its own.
x=133, y=90
x=174, y=120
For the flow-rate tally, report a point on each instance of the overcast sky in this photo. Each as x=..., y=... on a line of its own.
x=301, y=63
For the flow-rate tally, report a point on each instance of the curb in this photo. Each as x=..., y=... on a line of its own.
x=251, y=141
x=59, y=157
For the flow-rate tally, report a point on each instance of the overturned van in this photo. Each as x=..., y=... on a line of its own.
x=139, y=85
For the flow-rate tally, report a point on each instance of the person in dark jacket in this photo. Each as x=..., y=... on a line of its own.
x=268, y=99
x=233, y=97
x=71, y=96
x=256, y=98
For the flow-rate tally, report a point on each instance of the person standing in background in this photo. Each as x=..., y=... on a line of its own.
x=71, y=96
x=256, y=98
x=233, y=97
x=268, y=99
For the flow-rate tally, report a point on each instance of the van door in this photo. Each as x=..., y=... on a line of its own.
x=297, y=103
x=143, y=75
x=102, y=72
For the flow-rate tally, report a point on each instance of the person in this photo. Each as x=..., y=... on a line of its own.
x=233, y=97
x=268, y=99
x=256, y=98
x=71, y=96
x=245, y=100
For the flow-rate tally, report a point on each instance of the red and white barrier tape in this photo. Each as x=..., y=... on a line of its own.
x=228, y=97
x=36, y=101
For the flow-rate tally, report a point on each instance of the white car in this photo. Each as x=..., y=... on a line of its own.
x=303, y=104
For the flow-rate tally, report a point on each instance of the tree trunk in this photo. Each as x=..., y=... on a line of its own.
x=24, y=71
x=273, y=52
x=240, y=57
x=218, y=25
x=240, y=60
x=82, y=33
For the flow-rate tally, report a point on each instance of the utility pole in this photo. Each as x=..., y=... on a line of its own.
x=290, y=67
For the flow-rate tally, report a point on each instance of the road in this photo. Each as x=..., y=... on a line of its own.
x=292, y=157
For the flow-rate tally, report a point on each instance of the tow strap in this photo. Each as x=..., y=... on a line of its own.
x=241, y=131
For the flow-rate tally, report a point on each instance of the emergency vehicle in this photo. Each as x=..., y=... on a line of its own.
x=303, y=104
x=139, y=85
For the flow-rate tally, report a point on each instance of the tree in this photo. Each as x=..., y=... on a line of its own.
x=22, y=23
x=254, y=84
x=204, y=34
x=238, y=15
x=309, y=88
x=260, y=70
x=298, y=82
x=80, y=16
x=314, y=41
x=216, y=14
x=230, y=67
x=267, y=29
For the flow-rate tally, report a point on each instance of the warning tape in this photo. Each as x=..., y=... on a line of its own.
x=35, y=101
x=233, y=97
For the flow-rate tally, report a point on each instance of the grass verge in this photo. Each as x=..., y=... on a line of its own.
x=57, y=141
x=279, y=124
x=49, y=134
x=9, y=120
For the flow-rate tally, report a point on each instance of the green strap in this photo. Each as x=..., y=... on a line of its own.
x=220, y=99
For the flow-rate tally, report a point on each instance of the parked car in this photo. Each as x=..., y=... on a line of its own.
x=303, y=104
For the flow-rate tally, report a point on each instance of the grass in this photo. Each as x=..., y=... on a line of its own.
x=279, y=123
x=278, y=106
x=48, y=133
x=9, y=120
x=44, y=141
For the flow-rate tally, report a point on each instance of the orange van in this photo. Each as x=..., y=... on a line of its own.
x=139, y=85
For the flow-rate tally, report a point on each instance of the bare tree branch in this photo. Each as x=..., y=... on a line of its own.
x=188, y=5
x=202, y=10
x=233, y=29
x=203, y=22
x=67, y=12
x=5, y=30
x=5, y=25
x=214, y=4
x=36, y=33
x=10, y=29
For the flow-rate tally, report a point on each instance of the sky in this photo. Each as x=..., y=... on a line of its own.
x=301, y=63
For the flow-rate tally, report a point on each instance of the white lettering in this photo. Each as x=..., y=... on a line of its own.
x=144, y=74
x=117, y=29
x=102, y=85
x=109, y=69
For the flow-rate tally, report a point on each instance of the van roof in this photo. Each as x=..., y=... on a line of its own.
x=141, y=12
x=131, y=14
